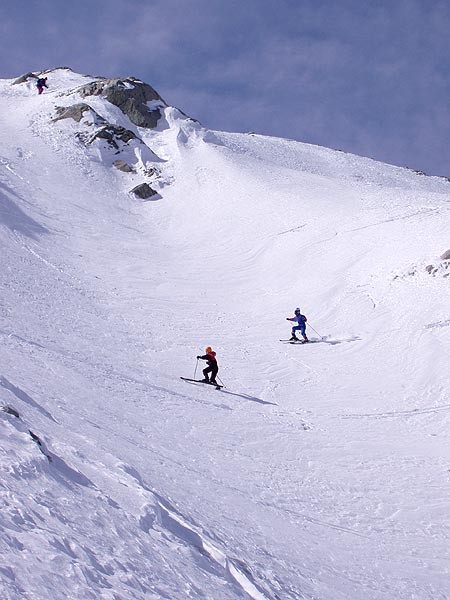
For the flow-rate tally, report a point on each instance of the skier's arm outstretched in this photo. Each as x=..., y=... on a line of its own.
x=299, y=319
x=301, y=324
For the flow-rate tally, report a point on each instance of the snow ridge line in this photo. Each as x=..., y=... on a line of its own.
x=62, y=467
x=179, y=526
x=24, y=397
x=233, y=568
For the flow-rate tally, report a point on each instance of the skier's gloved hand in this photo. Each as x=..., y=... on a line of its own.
x=287, y=319
x=198, y=357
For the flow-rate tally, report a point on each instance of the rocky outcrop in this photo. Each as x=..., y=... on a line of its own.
x=143, y=191
x=123, y=166
x=112, y=134
x=10, y=411
x=442, y=268
x=24, y=78
x=131, y=95
x=13, y=412
x=106, y=131
x=106, y=138
x=75, y=112
x=439, y=269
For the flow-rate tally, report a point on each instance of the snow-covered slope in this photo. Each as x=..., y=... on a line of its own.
x=320, y=471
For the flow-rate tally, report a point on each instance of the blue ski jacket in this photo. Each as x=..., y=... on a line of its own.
x=301, y=319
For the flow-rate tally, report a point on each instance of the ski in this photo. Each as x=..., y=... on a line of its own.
x=216, y=385
x=302, y=342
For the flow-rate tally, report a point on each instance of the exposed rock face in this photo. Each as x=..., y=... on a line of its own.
x=131, y=96
x=24, y=78
x=440, y=269
x=107, y=131
x=446, y=255
x=10, y=411
x=75, y=112
x=143, y=191
x=150, y=172
x=92, y=128
x=112, y=134
x=123, y=166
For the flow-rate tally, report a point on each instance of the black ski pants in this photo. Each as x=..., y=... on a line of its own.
x=213, y=369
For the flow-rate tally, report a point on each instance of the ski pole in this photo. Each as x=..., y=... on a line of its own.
x=220, y=380
x=196, y=365
x=321, y=336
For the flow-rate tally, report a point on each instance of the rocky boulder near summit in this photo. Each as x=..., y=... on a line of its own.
x=108, y=131
x=131, y=95
x=95, y=128
x=24, y=78
x=76, y=112
x=113, y=134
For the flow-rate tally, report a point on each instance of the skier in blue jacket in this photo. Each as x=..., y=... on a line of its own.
x=301, y=325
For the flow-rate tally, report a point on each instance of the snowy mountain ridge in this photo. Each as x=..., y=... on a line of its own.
x=318, y=472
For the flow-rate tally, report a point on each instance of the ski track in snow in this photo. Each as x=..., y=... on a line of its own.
x=318, y=473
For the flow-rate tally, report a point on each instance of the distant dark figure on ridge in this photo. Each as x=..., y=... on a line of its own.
x=41, y=84
x=212, y=367
x=301, y=320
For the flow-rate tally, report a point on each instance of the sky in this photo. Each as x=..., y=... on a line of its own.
x=368, y=77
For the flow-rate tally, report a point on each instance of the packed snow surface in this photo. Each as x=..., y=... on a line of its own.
x=320, y=471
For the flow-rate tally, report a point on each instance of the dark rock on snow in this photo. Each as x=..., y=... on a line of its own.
x=446, y=255
x=74, y=112
x=111, y=133
x=143, y=191
x=107, y=131
x=130, y=95
x=123, y=166
x=10, y=411
x=24, y=78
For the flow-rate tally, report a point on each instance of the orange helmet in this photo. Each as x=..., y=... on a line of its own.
x=208, y=349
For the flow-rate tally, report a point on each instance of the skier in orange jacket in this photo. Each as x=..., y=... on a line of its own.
x=212, y=367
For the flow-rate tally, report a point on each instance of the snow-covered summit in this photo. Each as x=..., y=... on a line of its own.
x=122, y=122
x=319, y=471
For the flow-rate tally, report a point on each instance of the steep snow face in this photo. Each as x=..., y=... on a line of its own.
x=319, y=471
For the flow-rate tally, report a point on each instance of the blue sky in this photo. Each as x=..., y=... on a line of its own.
x=365, y=76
